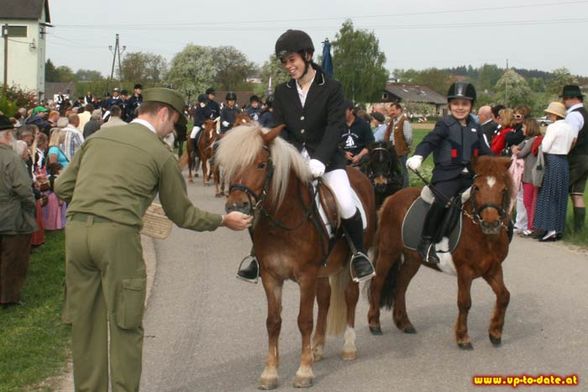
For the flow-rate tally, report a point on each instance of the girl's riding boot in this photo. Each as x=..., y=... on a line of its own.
x=433, y=221
x=361, y=266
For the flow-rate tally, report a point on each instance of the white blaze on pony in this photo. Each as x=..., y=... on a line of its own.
x=491, y=181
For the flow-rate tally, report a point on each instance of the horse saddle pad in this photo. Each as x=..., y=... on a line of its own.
x=326, y=203
x=414, y=220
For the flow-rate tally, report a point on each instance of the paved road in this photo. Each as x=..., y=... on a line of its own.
x=205, y=330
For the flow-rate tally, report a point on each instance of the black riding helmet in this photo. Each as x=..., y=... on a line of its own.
x=462, y=90
x=293, y=41
x=202, y=98
x=269, y=101
x=231, y=96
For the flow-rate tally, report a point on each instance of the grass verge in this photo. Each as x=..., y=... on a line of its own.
x=34, y=340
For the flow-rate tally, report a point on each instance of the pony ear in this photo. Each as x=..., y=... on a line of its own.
x=272, y=134
x=506, y=162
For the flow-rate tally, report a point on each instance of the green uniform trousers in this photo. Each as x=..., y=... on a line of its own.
x=105, y=289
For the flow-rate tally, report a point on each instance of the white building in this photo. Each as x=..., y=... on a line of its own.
x=26, y=22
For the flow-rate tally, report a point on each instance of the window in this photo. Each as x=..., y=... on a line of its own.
x=17, y=31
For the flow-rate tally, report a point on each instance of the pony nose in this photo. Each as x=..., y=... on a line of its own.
x=239, y=205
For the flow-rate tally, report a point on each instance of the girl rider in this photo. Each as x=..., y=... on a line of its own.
x=454, y=142
x=311, y=105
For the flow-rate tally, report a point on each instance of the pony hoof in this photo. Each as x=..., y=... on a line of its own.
x=218, y=195
x=190, y=180
x=466, y=346
x=302, y=382
x=495, y=340
x=267, y=384
x=376, y=331
x=409, y=329
x=349, y=355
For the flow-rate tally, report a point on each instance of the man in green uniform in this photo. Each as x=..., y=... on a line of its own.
x=108, y=185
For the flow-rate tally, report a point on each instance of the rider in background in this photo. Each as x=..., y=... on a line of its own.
x=212, y=108
x=455, y=141
x=254, y=108
x=357, y=138
x=266, y=119
x=311, y=106
x=229, y=112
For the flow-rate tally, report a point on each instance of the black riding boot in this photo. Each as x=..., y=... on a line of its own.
x=433, y=221
x=249, y=269
x=579, y=218
x=361, y=266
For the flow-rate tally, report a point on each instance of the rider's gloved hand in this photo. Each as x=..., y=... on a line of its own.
x=414, y=162
x=317, y=168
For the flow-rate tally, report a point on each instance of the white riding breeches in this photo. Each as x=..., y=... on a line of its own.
x=338, y=181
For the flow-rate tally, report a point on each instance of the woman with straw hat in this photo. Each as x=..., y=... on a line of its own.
x=552, y=199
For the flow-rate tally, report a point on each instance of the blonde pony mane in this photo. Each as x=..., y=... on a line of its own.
x=241, y=145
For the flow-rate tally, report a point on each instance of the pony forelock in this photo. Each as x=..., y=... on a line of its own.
x=241, y=145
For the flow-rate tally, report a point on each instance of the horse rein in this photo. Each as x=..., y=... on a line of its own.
x=259, y=200
x=474, y=216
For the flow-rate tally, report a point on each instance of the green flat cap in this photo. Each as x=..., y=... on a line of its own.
x=167, y=96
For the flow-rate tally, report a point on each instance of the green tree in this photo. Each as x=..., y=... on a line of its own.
x=50, y=72
x=192, y=70
x=232, y=68
x=358, y=63
x=141, y=67
x=512, y=89
x=488, y=77
x=86, y=75
x=65, y=74
x=272, y=69
x=560, y=77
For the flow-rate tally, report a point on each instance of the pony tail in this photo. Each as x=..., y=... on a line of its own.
x=337, y=315
x=184, y=160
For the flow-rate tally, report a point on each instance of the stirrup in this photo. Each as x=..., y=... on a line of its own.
x=248, y=259
x=429, y=259
x=352, y=272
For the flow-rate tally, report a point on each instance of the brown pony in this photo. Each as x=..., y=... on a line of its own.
x=205, y=148
x=481, y=250
x=270, y=179
x=219, y=181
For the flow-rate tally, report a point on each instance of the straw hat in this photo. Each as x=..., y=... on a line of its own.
x=556, y=108
x=155, y=222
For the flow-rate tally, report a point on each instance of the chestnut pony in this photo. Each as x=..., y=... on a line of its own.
x=205, y=152
x=219, y=181
x=270, y=179
x=482, y=249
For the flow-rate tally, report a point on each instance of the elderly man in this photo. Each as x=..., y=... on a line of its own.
x=17, y=209
x=577, y=117
x=108, y=186
x=489, y=126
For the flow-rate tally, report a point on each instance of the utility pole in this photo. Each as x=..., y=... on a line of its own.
x=116, y=52
x=5, y=36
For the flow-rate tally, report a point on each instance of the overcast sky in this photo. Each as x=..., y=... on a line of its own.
x=416, y=34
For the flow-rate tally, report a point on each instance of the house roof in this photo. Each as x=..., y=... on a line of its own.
x=406, y=92
x=25, y=10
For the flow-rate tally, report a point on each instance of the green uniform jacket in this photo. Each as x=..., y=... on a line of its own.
x=17, y=203
x=117, y=173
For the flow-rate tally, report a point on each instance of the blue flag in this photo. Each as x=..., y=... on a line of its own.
x=327, y=64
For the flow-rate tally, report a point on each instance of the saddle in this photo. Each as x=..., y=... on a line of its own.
x=326, y=203
x=449, y=233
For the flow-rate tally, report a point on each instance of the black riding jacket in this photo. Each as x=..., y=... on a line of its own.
x=318, y=125
x=453, y=147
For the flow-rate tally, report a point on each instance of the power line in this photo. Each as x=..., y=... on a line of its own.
x=265, y=21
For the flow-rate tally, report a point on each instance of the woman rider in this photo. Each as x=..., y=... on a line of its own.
x=311, y=105
x=454, y=142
